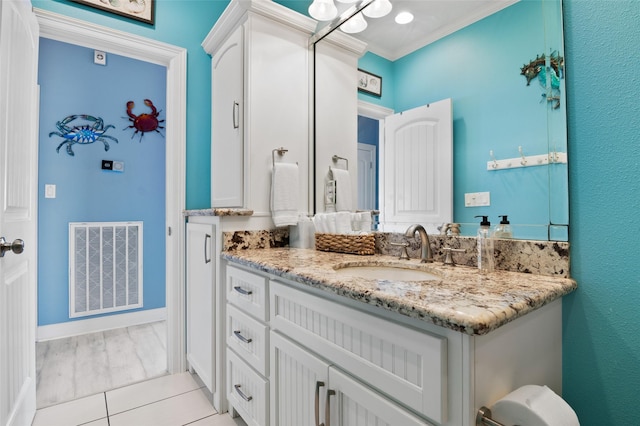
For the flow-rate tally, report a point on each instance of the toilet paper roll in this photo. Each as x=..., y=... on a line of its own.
x=534, y=405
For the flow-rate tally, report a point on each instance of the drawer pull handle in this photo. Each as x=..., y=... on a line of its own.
x=327, y=411
x=242, y=395
x=242, y=290
x=241, y=337
x=318, y=386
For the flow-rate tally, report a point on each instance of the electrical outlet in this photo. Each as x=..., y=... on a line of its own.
x=477, y=199
x=107, y=165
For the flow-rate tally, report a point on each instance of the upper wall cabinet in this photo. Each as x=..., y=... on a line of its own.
x=260, y=102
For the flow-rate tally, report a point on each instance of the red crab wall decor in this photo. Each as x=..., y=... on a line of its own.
x=144, y=122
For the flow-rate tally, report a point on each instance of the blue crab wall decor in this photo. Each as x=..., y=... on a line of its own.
x=83, y=134
x=539, y=68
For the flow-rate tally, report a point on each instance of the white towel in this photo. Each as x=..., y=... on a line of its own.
x=284, y=194
x=343, y=189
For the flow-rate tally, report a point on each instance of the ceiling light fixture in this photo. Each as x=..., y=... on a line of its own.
x=323, y=10
x=354, y=25
x=378, y=9
x=404, y=18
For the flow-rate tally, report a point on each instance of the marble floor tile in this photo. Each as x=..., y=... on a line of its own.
x=219, y=420
x=76, y=412
x=147, y=392
x=78, y=366
x=178, y=410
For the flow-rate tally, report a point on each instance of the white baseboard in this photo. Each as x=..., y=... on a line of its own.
x=94, y=325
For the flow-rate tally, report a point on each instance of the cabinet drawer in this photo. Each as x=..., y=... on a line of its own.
x=408, y=365
x=248, y=393
x=247, y=291
x=248, y=338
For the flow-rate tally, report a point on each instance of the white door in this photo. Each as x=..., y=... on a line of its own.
x=366, y=176
x=18, y=189
x=200, y=301
x=417, y=171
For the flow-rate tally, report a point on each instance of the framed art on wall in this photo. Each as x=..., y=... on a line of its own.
x=140, y=10
x=369, y=83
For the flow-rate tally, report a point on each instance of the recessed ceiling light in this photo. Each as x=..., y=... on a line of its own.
x=404, y=18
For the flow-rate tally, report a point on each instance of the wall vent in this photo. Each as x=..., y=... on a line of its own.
x=105, y=267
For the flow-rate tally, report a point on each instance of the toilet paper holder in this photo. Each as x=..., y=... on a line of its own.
x=483, y=418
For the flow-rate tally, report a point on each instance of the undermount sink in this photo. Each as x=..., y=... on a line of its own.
x=385, y=273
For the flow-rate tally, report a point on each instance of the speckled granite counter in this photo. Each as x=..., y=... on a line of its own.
x=215, y=211
x=462, y=299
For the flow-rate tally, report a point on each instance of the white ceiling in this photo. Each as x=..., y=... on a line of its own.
x=434, y=19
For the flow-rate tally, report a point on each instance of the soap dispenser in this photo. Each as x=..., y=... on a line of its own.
x=503, y=229
x=485, y=246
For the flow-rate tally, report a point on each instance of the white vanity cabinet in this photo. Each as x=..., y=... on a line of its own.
x=200, y=300
x=260, y=101
x=338, y=361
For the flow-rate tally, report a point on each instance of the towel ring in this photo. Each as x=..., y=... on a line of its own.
x=281, y=151
x=335, y=159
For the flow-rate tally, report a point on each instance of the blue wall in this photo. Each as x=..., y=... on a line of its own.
x=70, y=83
x=182, y=23
x=601, y=339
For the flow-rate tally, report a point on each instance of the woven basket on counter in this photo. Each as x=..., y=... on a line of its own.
x=363, y=244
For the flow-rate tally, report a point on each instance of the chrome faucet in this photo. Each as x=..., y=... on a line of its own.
x=426, y=255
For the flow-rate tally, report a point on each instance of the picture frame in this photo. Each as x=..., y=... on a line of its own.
x=140, y=10
x=369, y=83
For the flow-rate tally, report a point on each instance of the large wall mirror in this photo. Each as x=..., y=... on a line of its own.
x=508, y=101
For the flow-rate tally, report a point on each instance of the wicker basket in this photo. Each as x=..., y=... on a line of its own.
x=363, y=244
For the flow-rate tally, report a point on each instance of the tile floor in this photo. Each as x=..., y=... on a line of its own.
x=171, y=400
x=78, y=366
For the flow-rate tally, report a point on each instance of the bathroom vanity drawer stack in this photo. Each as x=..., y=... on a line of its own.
x=247, y=345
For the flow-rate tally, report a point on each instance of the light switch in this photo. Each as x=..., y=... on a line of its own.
x=477, y=199
x=49, y=191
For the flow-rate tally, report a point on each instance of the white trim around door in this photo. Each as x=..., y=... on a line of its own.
x=82, y=33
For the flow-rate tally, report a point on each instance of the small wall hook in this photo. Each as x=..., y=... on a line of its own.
x=523, y=161
x=493, y=158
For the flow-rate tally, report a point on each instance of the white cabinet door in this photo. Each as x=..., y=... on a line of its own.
x=200, y=301
x=227, y=141
x=298, y=384
x=350, y=403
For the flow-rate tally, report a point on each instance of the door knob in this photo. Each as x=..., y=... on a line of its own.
x=17, y=246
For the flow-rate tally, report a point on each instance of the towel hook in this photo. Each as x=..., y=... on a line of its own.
x=335, y=159
x=523, y=161
x=281, y=151
x=493, y=158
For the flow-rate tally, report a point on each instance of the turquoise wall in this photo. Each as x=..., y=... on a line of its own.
x=601, y=342
x=71, y=84
x=478, y=67
x=183, y=23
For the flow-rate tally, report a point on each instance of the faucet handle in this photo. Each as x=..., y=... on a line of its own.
x=448, y=257
x=404, y=254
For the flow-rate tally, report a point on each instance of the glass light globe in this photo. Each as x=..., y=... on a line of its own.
x=323, y=10
x=404, y=18
x=356, y=24
x=378, y=9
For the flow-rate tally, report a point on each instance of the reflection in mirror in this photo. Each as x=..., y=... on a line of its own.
x=495, y=110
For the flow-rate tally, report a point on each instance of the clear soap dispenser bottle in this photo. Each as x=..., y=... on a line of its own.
x=503, y=229
x=485, y=246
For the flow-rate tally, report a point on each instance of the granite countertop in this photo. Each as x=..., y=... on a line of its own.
x=216, y=211
x=461, y=298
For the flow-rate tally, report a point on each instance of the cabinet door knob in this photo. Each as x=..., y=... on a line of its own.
x=327, y=407
x=236, y=115
x=317, y=398
x=243, y=339
x=242, y=394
